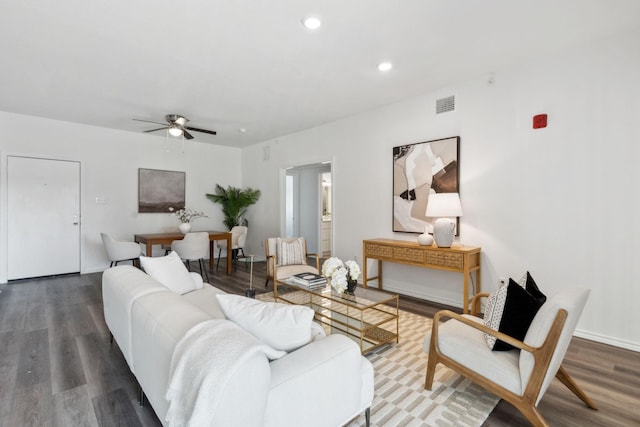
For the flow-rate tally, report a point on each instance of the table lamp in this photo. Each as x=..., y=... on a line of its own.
x=443, y=208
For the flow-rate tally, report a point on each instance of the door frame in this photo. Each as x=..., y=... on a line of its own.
x=282, y=200
x=4, y=201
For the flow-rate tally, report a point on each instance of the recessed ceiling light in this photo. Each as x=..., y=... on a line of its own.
x=243, y=130
x=385, y=66
x=312, y=22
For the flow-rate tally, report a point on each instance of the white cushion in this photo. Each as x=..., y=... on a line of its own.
x=170, y=271
x=287, y=271
x=283, y=327
x=198, y=283
x=466, y=345
x=205, y=299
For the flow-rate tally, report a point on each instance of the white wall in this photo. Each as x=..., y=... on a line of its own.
x=110, y=160
x=560, y=202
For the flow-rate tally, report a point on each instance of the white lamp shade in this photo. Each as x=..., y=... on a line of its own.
x=443, y=205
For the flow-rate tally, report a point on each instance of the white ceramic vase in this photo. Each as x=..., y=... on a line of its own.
x=184, y=227
x=425, y=239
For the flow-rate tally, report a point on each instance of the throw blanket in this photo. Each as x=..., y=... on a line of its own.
x=202, y=363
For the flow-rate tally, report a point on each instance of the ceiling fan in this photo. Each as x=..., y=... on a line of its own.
x=176, y=125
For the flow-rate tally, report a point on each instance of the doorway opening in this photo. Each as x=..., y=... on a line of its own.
x=308, y=206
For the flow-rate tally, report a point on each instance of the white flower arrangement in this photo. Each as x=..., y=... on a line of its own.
x=187, y=215
x=341, y=273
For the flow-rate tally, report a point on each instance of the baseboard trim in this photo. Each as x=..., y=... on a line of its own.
x=628, y=345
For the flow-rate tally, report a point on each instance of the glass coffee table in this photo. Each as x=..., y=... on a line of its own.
x=368, y=316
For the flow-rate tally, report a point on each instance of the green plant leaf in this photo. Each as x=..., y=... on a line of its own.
x=235, y=202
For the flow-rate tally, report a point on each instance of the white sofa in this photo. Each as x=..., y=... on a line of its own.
x=326, y=382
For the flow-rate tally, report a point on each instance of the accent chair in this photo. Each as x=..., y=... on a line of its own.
x=288, y=256
x=522, y=375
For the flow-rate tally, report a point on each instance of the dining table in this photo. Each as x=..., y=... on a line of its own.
x=150, y=239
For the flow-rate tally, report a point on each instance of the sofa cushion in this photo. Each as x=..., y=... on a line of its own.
x=466, y=345
x=510, y=310
x=171, y=272
x=205, y=299
x=282, y=326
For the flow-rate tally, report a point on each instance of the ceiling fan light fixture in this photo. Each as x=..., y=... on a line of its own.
x=175, y=131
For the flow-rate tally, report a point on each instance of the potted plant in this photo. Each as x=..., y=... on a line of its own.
x=187, y=215
x=235, y=203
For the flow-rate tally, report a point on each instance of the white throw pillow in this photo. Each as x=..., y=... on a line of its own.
x=198, y=283
x=170, y=271
x=282, y=326
x=290, y=252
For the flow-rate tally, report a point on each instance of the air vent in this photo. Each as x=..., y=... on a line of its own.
x=445, y=104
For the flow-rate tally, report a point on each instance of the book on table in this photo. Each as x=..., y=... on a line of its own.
x=309, y=279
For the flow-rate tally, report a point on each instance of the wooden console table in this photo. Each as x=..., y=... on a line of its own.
x=458, y=258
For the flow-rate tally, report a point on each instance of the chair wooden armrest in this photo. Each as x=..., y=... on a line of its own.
x=481, y=327
x=271, y=269
x=317, y=260
x=475, y=302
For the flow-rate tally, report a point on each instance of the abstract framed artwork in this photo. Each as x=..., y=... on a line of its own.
x=419, y=170
x=160, y=190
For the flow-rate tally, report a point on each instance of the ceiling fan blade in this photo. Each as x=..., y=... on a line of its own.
x=149, y=121
x=153, y=130
x=211, y=132
x=186, y=134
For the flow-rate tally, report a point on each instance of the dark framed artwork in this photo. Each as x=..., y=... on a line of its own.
x=419, y=170
x=160, y=191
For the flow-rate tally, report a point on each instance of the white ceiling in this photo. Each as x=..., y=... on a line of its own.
x=250, y=64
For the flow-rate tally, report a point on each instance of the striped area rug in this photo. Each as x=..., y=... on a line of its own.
x=400, y=398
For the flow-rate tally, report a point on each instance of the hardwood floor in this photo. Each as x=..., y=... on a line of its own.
x=57, y=367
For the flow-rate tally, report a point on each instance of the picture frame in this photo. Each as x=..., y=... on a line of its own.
x=420, y=169
x=160, y=190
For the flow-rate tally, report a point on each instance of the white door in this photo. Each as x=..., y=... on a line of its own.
x=43, y=213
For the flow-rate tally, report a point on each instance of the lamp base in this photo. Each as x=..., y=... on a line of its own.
x=443, y=231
